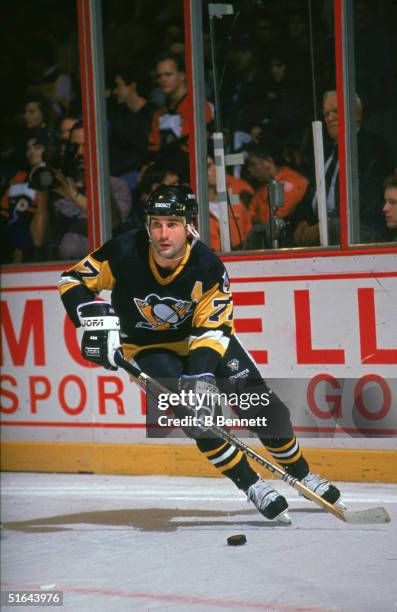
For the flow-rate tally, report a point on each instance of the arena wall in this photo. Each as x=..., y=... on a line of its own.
x=322, y=330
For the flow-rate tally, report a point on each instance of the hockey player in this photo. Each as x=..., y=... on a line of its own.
x=172, y=303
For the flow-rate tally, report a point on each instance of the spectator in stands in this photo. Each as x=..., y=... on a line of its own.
x=266, y=163
x=266, y=32
x=279, y=107
x=374, y=162
x=130, y=123
x=172, y=32
x=153, y=175
x=62, y=146
x=241, y=84
x=38, y=112
x=37, y=116
x=65, y=127
x=173, y=122
x=22, y=207
x=46, y=77
x=390, y=205
x=239, y=218
x=68, y=214
x=298, y=45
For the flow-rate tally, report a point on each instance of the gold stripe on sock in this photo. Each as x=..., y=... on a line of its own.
x=215, y=451
x=285, y=447
x=295, y=458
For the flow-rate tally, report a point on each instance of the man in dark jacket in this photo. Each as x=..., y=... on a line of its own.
x=374, y=163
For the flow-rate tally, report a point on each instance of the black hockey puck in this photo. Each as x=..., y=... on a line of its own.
x=237, y=540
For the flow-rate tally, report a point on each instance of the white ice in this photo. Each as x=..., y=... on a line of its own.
x=126, y=543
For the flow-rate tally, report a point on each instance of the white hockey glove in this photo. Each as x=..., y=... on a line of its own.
x=200, y=397
x=101, y=337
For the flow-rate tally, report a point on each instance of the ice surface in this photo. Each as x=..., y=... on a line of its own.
x=126, y=543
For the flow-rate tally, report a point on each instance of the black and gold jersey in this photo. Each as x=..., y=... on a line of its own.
x=188, y=310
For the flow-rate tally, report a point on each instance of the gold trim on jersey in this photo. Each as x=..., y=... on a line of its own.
x=93, y=274
x=214, y=309
x=64, y=287
x=216, y=344
x=168, y=279
x=181, y=348
x=197, y=291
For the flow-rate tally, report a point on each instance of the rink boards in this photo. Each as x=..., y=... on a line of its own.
x=323, y=331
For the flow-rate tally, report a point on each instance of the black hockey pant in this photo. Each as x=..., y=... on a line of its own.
x=238, y=376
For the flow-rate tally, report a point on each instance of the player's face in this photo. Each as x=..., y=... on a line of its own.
x=390, y=207
x=168, y=236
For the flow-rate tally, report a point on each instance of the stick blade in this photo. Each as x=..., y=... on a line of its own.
x=371, y=516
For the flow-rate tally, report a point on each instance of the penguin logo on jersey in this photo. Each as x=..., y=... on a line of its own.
x=233, y=364
x=162, y=313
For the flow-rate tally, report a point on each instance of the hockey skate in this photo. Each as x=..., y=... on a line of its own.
x=268, y=501
x=323, y=488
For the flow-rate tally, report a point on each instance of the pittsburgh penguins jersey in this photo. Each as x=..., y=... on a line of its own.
x=188, y=310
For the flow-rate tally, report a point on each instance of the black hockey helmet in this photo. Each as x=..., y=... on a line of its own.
x=172, y=201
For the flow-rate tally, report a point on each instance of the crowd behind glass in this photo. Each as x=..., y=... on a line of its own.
x=266, y=91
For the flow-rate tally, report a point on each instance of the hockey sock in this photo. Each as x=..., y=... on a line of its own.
x=229, y=460
x=288, y=454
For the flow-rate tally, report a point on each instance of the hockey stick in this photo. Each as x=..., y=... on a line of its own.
x=353, y=517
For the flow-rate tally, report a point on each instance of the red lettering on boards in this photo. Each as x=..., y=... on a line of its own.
x=72, y=410
x=9, y=395
x=114, y=395
x=305, y=353
x=335, y=400
x=370, y=353
x=32, y=325
x=359, y=400
x=35, y=394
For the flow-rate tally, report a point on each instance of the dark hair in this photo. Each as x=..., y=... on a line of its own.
x=177, y=58
x=135, y=74
x=40, y=136
x=267, y=148
x=156, y=173
x=390, y=181
x=44, y=105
